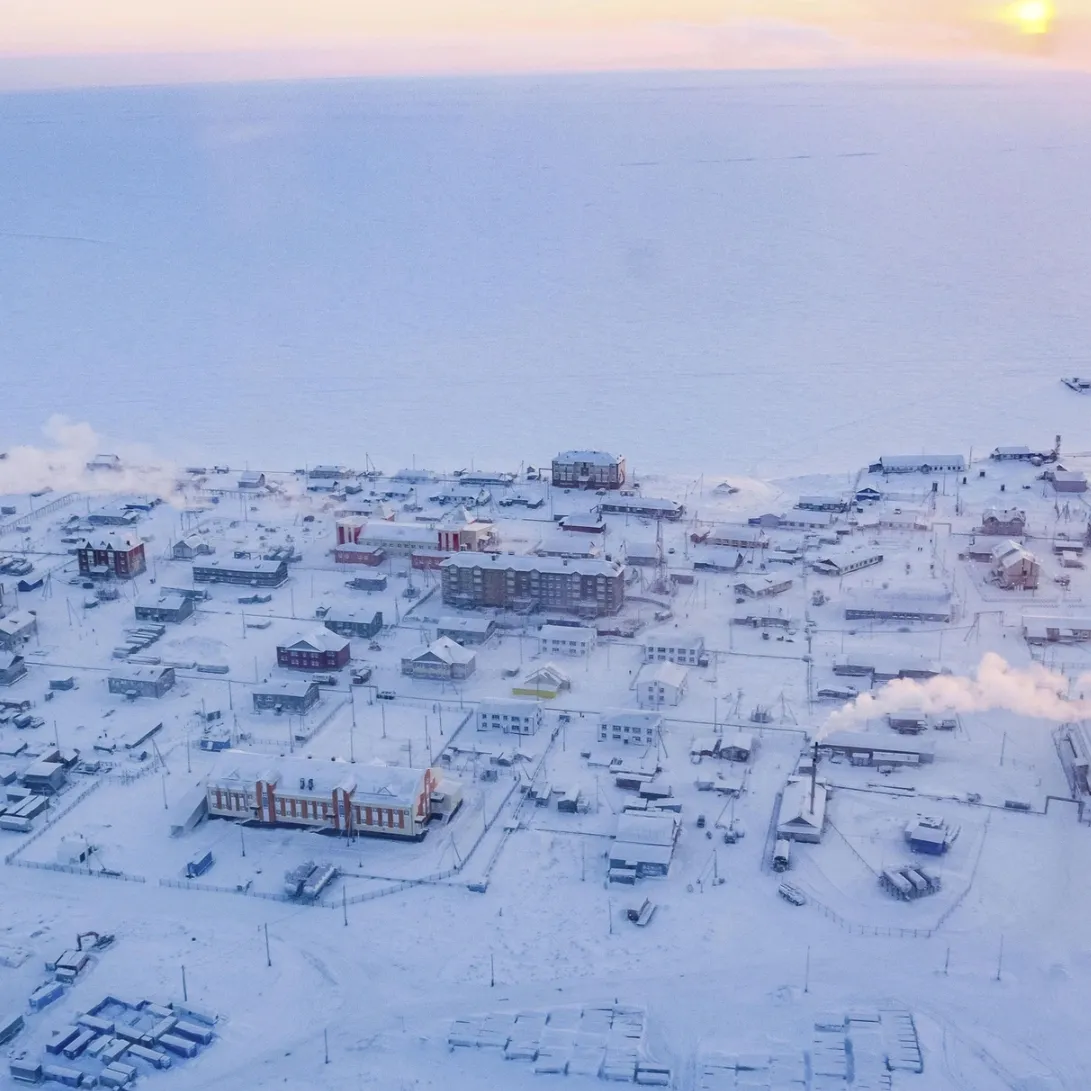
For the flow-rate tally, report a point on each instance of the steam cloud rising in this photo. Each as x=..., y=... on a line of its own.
x=62, y=466
x=997, y=685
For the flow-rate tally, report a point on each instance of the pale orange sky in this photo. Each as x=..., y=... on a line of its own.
x=105, y=41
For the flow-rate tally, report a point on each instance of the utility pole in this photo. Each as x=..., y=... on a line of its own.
x=352, y=726
x=492, y=971
x=185, y=991
x=1000, y=957
x=345, y=904
x=269, y=957
x=807, y=972
x=242, y=839
x=326, y=1041
x=164, y=783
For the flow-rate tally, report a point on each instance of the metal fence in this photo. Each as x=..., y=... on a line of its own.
x=54, y=817
x=72, y=869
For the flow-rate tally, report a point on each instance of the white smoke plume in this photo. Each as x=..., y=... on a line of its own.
x=1029, y=691
x=61, y=465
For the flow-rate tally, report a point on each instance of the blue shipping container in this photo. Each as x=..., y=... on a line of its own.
x=199, y=866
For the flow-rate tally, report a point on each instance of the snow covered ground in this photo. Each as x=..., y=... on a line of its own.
x=505, y=911
x=754, y=272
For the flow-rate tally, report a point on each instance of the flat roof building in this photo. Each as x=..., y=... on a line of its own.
x=241, y=570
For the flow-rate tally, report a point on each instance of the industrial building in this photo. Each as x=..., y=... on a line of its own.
x=319, y=650
x=587, y=588
x=509, y=715
x=251, y=479
x=296, y=697
x=588, y=470
x=869, y=748
x=144, y=681
x=802, y=814
x=443, y=659
x=115, y=556
x=242, y=570
x=331, y=795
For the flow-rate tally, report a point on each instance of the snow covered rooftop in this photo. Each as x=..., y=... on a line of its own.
x=593, y=458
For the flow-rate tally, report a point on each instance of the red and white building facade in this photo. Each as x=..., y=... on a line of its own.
x=114, y=557
x=362, y=542
x=348, y=798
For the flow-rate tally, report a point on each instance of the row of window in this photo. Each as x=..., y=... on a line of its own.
x=380, y=817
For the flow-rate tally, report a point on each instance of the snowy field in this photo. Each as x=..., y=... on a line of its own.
x=744, y=272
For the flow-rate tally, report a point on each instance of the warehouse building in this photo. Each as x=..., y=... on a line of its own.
x=587, y=588
x=241, y=570
x=868, y=748
x=802, y=814
x=350, y=799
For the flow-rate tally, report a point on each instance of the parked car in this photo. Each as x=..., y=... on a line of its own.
x=791, y=893
x=385, y=694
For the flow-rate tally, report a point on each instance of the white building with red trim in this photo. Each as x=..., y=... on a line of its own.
x=345, y=797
